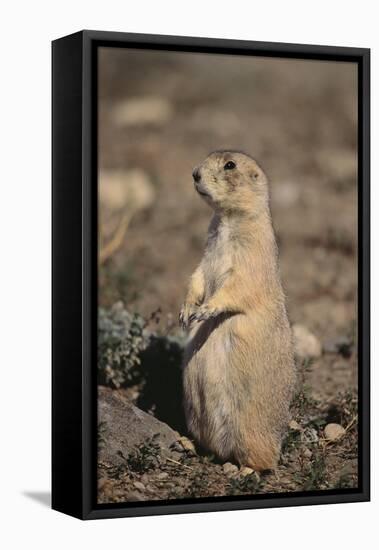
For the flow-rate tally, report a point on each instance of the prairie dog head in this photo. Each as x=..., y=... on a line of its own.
x=231, y=182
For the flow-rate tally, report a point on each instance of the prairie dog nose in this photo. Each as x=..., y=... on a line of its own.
x=196, y=175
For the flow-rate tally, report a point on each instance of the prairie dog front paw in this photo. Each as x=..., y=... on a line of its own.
x=202, y=313
x=186, y=314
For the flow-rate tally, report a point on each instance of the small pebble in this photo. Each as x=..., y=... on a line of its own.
x=246, y=471
x=138, y=485
x=230, y=469
x=333, y=431
x=162, y=475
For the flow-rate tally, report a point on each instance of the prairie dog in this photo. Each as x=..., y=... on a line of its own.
x=238, y=370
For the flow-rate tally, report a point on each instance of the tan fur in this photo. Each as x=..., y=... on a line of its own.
x=238, y=368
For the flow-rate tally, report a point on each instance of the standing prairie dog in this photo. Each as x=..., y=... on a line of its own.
x=238, y=370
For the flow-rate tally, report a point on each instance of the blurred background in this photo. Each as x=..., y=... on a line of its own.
x=161, y=113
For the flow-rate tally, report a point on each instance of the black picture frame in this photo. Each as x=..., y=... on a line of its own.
x=74, y=271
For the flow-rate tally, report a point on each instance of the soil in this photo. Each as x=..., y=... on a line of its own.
x=299, y=120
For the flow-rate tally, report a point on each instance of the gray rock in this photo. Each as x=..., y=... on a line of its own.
x=124, y=427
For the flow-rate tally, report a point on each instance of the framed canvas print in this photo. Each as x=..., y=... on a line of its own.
x=210, y=275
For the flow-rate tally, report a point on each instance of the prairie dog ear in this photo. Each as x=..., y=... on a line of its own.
x=255, y=175
x=258, y=176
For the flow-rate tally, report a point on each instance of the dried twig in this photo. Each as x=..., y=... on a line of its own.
x=116, y=241
x=179, y=463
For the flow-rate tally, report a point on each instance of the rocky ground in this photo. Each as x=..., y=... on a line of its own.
x=160, y=115
x=143, y=457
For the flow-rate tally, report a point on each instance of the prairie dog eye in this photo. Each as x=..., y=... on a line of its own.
x=230, y=165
